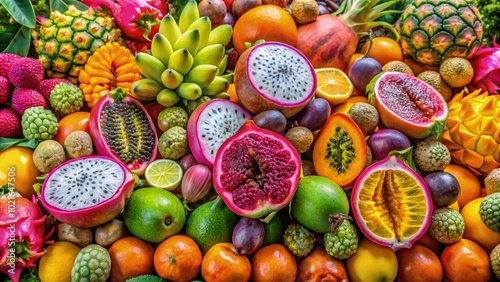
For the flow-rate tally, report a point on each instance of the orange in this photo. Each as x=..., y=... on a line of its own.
x=455, y=206
x=273, y=263
x=130, y=257
x=475, y=229
x=18, y=170
x=267, y=22
x=320, y=266
x=344, y=107
x=178, y=258
x=383, y=49
x=417, y=67
x=465, y=261
x=470, y=188
x=233, y=97
x=70, y=123
x=333, y=85
x=222, y=263
x=418, y=263
x=429, y=242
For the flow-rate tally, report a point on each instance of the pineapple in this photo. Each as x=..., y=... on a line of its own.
x=64, y=42
x=472, y=131
x=434, y=30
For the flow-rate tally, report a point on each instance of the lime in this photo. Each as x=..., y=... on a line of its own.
x=317, y=198
x=273, y=230
x=164, y=173
x=211, y=223
x=154, y=214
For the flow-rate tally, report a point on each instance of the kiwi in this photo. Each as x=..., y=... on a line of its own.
x=47, y=155
x=365, y=116
x=300, y=137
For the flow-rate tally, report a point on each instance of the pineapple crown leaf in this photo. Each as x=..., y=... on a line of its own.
x=360, y=15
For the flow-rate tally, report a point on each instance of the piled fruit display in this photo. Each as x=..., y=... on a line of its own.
x=249, y=140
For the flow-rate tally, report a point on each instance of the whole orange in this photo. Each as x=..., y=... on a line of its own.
x=418, y=263
x=273, y=263
x=130, y=257
x=178, y=258
x=72, y=122
x=475, y=229
x=470, y=188
x=223, y=263
x=318, y=265
x=267, y=22
x=383, y=49
x=18, y=170
x=465, y=261
x=429, y=242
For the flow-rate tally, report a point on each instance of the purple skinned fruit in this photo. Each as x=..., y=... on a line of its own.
x=362, y=71
x=248, y=235
x=383, y=141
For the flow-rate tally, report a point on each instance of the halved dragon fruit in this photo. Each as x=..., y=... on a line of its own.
x=122, y=128
x=211, y=124
x=256, y=171
x=88, y=191
x=274, y=76
x=408, y=104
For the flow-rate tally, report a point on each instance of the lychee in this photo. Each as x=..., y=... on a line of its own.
x=47, y=85
x=10, y=123
x=24, y=98
x=6, y=61
x=26, y=73
x=6, y=89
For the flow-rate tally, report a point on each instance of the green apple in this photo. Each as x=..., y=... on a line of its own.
x=154, y=214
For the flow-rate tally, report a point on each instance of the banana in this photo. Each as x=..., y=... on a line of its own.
x=209, y=55
x=189, y=14
x=149, y=66
x=189, y=40
x=167, y=98
x=146, y=89
x=189, y=90
x=229, y=77
x=217, y=86
x=202, y=75
x=204, y=25
x=171, y=78
x=169, y=29
x=181, y=61
x=161, y=48
x=223, y=64
x=221, y=34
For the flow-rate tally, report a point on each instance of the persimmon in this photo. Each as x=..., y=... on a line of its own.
x=130, y=257
x=318, y=265
x=273, y=263
x=465, y=261
x=418, y=263
x=222, y=263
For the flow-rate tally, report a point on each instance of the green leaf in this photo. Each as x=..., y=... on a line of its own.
x=22, y=11
x=17, y=40
x=406, y=156
x=62, y=5
x=10, y=142
x=437, y=128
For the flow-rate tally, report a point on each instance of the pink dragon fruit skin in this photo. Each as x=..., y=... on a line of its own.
x=29, y=223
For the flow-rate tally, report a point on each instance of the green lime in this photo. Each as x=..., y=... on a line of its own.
x=154, y=214
x=318, y=197
x=164, y=173
x=273, y=230
x=211, y=223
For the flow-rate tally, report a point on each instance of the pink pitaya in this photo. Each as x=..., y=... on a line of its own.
x=22, y=234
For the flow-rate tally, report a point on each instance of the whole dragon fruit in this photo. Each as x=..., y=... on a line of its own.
x=22, y=234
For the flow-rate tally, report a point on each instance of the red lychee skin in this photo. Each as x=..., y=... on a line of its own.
x=10, y=123
x=6, y=89
x=232, y=59
x=6, y=61
x=24, y=98
x=47, y=85
x=26, y=73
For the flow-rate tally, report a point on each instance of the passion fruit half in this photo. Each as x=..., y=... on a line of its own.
x=391, y=203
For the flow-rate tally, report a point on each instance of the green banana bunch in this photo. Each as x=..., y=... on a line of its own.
x=188, y=59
